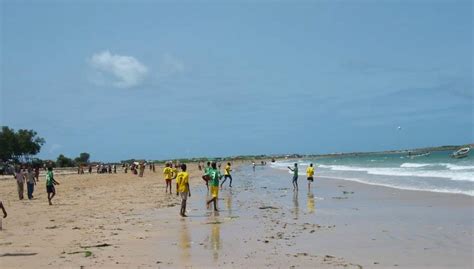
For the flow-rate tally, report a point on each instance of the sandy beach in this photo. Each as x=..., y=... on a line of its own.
x=123, y=221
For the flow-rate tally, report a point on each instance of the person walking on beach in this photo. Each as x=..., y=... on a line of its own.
x=182, y=188
x=310, y=174
x=295, y=176
x=214, y=176
x=20, y=182
x=50, y=182
x=227, y=175
x=30, y=182
x=37, y=173
x=141, y=167
x=3, y=210
x=206, y=177
x=168, y=174
x=174, y=170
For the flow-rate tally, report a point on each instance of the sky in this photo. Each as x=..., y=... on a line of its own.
x=162, y=79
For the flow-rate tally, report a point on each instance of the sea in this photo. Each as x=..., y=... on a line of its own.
x=436, y=172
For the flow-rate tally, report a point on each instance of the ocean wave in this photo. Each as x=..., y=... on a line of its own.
x=414, y=165
x=411, y=188
x=449, y=166
x=453, y=175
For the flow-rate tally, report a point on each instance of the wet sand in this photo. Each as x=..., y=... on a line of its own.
x=126, y=221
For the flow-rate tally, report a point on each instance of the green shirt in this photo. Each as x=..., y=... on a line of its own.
x=215, y=175
x=49, y=178
x=295, y=171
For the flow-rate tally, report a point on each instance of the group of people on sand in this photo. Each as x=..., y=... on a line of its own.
x=211, y=177
x=30, y=176
x=309, y=175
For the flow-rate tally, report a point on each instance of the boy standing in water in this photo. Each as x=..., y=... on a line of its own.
x=310, y=174
x=227, y=175
x=182, y=188
x=205, y=177
x=214, y=176
x=50, y=182
x=168, y=174
x=295, y=176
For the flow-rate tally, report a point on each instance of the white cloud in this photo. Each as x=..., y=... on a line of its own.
x=119, y=70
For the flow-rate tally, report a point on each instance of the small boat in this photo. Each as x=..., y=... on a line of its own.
x=422, y=154
x=461, y=153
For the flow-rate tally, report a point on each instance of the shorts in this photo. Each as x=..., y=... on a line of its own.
x=295, y=178
x=227, y=176
x=50, y=189
x=168, y=180
x=184, y=195
x=310, y=179
x=214, y=191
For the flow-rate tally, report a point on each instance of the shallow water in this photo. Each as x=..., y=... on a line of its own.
x=437, y=172
x=263, y=223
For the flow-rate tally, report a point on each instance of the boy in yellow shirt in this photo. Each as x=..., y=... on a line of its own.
x=310, y=174
x=182, y=188
x=227, y=175
x=168, y=174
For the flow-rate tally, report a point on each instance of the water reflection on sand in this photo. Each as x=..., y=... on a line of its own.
x=185, y=242
x=310, y=202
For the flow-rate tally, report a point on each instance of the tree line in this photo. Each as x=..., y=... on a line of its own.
x=20, y=147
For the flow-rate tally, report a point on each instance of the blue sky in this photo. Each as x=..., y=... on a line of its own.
x=162, y=80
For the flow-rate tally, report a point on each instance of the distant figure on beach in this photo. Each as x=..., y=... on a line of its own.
x=310, y=174
x=153, y=168
x=182, y=188
x=90, y=169
x=174, y=169
x=125, y=169
x=253, y=165
x=168, y=175
x=20, y=182
x=30, y=182
x=3, y=210
x=50, y=182
x=141, y=167
x=295, y=176
x=214, y=175
x=227, y=171
x=199, y=166
x=37, y=173
x=115, y=168
x=206, y=177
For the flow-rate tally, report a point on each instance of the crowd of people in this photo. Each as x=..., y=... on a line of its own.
x=211, y=176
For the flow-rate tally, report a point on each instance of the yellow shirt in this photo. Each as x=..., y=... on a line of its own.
x=310, y=171
x=182, y=180
x=227, y=170
x=168, y=173
x=175, y=172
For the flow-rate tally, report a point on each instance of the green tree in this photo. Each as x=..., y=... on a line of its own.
x=19, y=146
x=64, y=161
x=83, y=158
